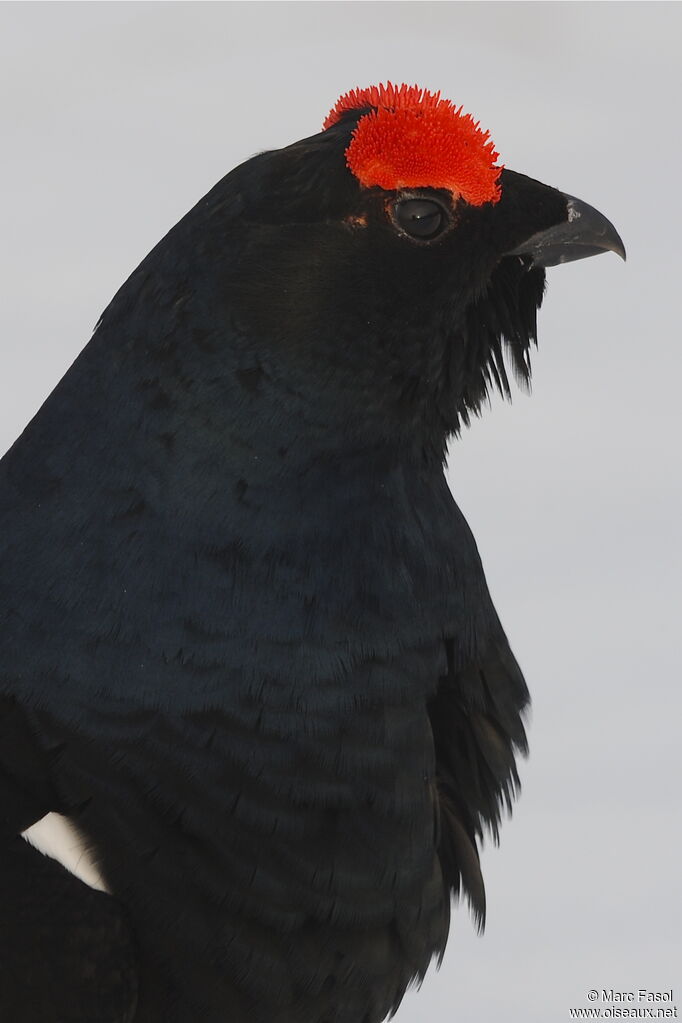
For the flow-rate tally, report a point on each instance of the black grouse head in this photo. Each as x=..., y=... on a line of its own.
x=372, y=276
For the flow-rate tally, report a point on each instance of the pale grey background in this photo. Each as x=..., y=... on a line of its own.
x=115, y=119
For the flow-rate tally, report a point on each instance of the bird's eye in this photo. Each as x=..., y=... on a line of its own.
x=423, y=219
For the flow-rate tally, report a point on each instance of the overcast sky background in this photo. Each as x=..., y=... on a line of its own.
x=116, y=118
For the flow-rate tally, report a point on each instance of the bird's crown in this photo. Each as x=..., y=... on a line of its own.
x=414, y=139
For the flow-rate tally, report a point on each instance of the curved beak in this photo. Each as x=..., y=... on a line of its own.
x=585, y=232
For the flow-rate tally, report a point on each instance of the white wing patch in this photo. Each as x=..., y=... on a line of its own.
x=55, y=836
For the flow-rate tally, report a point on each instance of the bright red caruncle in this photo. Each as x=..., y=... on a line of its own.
x=414, y=139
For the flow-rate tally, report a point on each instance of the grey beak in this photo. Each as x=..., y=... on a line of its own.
x=586, y=232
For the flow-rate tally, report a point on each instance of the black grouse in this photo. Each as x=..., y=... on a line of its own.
x=247, y=647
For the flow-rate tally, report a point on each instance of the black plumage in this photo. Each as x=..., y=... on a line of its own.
x=247, y=644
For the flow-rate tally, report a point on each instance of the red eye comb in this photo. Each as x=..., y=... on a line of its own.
x=414, y=139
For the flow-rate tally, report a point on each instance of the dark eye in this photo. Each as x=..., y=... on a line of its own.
x=420, y=218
